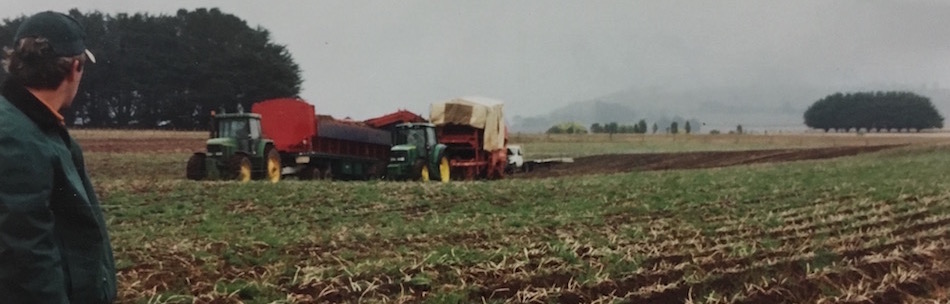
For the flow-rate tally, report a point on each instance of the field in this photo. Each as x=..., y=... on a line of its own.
x=868, y=227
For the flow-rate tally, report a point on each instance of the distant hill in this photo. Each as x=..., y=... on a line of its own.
x=756, y=107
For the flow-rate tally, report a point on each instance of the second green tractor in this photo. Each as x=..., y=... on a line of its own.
x=417, y=154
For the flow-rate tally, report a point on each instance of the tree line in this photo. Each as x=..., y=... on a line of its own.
x=641, y=128
x=567, y=128
x=172, y=71
x=613, y=128
x=873, y=111
x=616, y=128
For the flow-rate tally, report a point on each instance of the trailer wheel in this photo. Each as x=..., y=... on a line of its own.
x=375, y=171
x=421, y=170
x=444, y=170
x=195, y=170
x=308, y=173
x=273, y=165
x=240, y=167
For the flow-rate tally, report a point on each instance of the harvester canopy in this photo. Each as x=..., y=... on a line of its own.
x=477, y=112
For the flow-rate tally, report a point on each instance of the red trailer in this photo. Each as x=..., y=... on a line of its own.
x=473, y=130
x=315, y=147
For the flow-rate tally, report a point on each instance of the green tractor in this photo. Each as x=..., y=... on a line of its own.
x=416, y=154
x=236, y=151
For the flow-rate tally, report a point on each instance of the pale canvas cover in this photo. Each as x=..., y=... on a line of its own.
x=477, y=112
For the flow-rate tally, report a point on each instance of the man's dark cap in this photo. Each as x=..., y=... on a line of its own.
x=65, y=35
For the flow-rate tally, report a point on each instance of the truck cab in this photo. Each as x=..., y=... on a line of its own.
x=515, y=158
x=236, y=150
x=417, y=154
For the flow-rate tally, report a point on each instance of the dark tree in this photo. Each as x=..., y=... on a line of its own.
x=612, y=128
x=171, y=71
x=596, y=128
x=877, y=111
x=674, y=127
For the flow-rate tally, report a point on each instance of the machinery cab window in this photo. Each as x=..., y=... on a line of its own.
x=234, y=128
x=411, y=136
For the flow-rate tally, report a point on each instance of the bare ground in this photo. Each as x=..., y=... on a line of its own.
x=619, y=163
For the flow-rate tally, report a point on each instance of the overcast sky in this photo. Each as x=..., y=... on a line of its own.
x=362, y=58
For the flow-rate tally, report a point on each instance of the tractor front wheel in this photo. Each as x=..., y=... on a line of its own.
x=195, y=170
x=240, y=167
x=421, y=170
x=273, y=165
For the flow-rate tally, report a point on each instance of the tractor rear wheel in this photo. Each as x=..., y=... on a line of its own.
x=444, y=169
x=272, y=165
x=240, y=167
x=195, y=170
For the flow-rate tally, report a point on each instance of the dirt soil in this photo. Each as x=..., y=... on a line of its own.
x=618, y=163
x=142, y=145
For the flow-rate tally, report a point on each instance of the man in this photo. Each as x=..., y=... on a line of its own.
x=54, y=247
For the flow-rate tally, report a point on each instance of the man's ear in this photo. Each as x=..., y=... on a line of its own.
x=74, y=70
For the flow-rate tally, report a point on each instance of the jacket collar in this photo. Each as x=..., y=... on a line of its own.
x=33, y=108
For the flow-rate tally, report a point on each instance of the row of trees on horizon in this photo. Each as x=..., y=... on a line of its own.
x=172, y=71
x=616, y=128
x=862, y=111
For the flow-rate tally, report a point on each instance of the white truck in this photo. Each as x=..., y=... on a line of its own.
x=517, y=163
x=515, y=159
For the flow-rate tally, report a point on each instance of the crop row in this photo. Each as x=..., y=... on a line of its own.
x=571, y=268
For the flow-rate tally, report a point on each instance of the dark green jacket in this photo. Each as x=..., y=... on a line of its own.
x=54, y=247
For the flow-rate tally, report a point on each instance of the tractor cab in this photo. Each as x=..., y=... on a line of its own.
x=235, y=133
x=420, y=136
